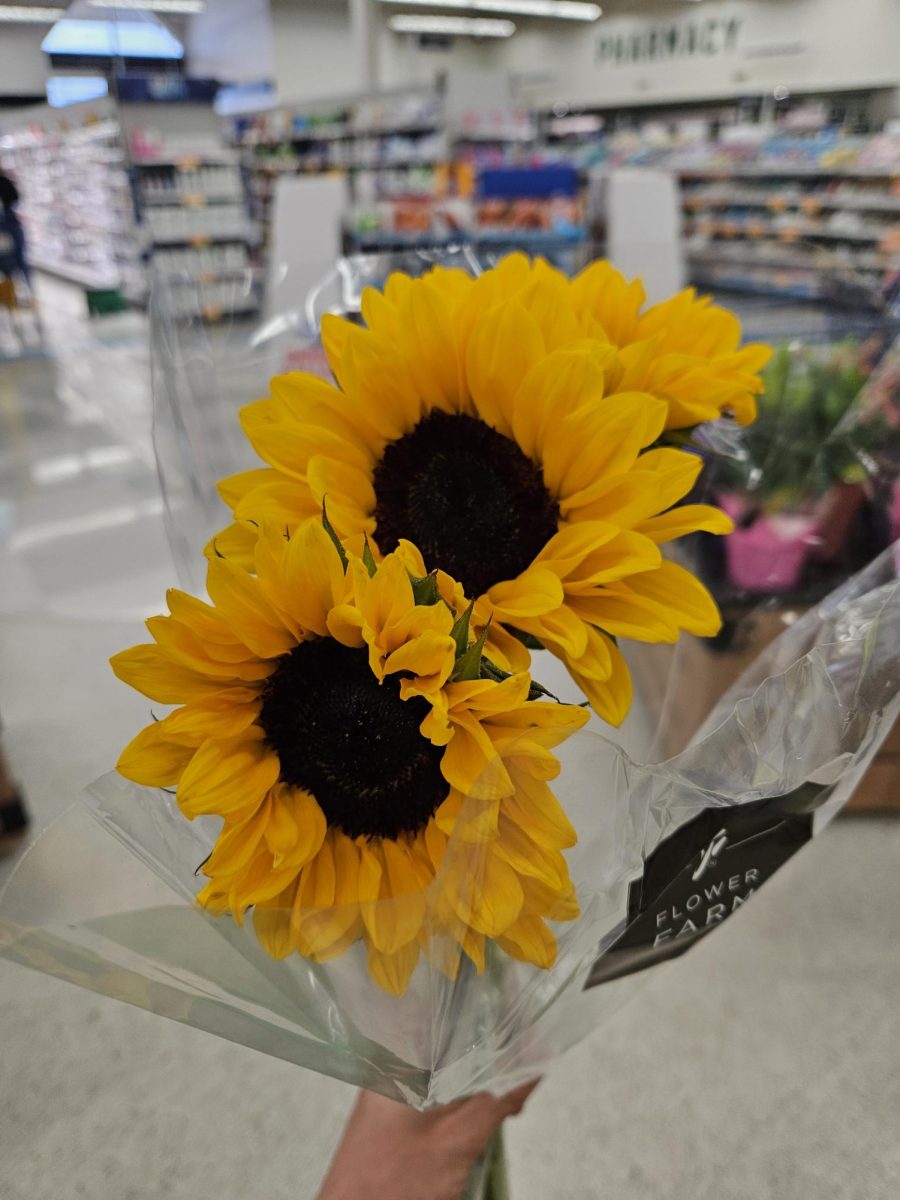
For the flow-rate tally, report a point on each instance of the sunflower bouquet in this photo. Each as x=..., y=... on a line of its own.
x=417, y=863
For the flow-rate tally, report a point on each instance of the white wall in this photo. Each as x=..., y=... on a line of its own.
x=231, y=40
x=314, y=53
x=23, y=65
x=721, y=48
x=403, y=62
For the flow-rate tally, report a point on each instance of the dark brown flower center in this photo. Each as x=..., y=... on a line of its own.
x=351, y=741
x=467, y=496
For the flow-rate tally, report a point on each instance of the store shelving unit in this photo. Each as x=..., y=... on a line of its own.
x=395, y=147
x=196, y=232
x=791, y=229
x=77, y=205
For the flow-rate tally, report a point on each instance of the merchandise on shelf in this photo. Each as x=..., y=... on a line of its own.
x=194, y=219
x=815, y=217
x=76, y=203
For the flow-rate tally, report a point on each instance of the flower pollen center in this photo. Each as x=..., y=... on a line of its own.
x=468, y=497
x=351, y=741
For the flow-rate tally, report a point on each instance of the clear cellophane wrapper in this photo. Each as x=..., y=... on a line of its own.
x=740, y=749
x=105, y=898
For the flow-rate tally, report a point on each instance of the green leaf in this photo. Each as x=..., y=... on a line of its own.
x=490, y=670
x=460, y=630
x=425, y=590
x=332, y=533
x=469, y=665
x=537, y=690
x=369, y=558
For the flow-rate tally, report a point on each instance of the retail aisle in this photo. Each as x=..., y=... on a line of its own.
x=763, y=1065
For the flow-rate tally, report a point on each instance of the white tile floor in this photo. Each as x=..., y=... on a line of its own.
x=765, y=1065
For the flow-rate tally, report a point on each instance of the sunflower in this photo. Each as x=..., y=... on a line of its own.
x=471, y=422
x=686, y=351
x=373, y=785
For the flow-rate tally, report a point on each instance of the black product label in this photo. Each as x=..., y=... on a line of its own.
x=702, y=873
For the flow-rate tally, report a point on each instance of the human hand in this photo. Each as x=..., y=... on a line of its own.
x=391, y=1152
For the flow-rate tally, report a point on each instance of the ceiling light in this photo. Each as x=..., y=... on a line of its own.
x=30, y=15
x=564, y=10
x=465, y=26
x=163, y=6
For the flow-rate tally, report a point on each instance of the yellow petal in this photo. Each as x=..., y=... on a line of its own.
x=484, y=891
x=227, y=776
x=686, y=518
x=235, y=487
x=559, y=384
x=236, y=543
x=623, y=613
x=503, y=347
x=182, y=647
x=326, y=915
x=537, y=590
x=272, y=922
x=536, y=809
x=596, y=441
x=238, y=842
x=240, y=600
x=430, y=350
x=614, y=301
x=392, y=972
x=309, y=580
x=151, y=672
x=296, y=826
x=392, y=895
x=526, y=857
x=683, y=597
x=530, y=940
x=429, y=654
x=471, y=763
x=610, y=697
x=467, y=818
x=334, y=332
x=152, y=759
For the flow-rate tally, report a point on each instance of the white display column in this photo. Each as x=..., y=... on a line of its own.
x=364, y=43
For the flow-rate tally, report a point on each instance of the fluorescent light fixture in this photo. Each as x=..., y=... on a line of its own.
x=463, y=26
x=563, y=10
x=107, y=39
x=22, y=14
x=74, y=89
x=163, y=6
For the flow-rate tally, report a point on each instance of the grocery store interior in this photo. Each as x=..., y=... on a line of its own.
x=199, y=181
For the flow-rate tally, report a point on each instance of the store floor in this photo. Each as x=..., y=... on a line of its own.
x=765, y=1064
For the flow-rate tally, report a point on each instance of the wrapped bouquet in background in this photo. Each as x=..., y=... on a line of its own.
x=419, y=865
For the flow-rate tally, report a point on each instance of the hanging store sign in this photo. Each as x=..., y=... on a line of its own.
x=717, y=49
x=660, y=43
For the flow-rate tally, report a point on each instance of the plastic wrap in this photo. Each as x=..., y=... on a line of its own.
x=105, y=898
x=739, y=750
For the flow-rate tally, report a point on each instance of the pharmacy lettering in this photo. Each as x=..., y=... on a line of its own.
x=702, y=873
x=660, y=43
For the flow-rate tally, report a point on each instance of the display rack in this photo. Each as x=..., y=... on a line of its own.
x=195, y=230
x=789, y=229
x=394, y=147
x=811, y=215
x=76, y=208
